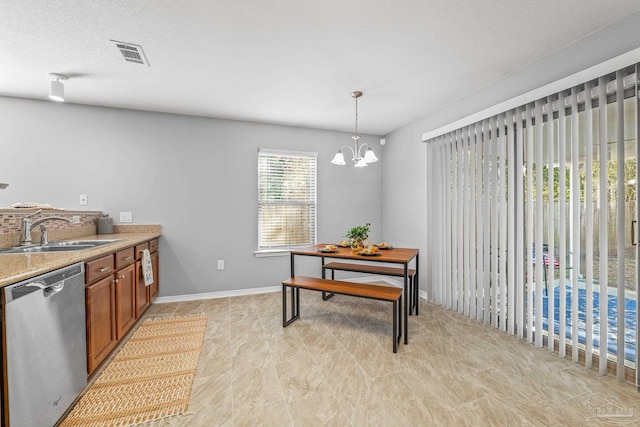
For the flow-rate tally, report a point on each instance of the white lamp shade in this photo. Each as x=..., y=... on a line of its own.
x=56, y=91
x=370, y=156
x=338, y=159
x=360, y=163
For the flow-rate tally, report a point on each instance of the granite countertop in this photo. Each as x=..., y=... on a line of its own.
x=17, y=267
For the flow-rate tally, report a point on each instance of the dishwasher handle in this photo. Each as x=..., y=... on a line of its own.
x=50, y=283
x=48, y=289
x=28, y=288
x=53, y=289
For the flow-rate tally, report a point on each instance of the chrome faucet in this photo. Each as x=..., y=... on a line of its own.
x=27, y=226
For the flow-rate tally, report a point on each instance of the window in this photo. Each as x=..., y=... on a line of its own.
x=286, y=199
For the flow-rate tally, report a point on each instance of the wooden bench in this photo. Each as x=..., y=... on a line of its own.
x=363, y=290
x=378, y=269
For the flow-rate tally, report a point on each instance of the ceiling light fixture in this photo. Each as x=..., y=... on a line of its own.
x=56, y=90
x=359, y=159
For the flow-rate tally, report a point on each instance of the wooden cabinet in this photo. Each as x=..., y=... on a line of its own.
x=101, y=331
x=140, y=248
x=146, y=294
x=125, y=300
x=116, y=298
x=154, y=289
x=124, y=257
x=99, y=268
x=125, y=280
x=153, y=245
x=143, y=301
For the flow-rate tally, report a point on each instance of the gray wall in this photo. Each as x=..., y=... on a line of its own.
x=405, y=167
x=197, y=177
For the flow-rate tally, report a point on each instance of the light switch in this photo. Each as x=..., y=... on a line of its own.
x=126, y=217
x=83, y=199
x=220, y=264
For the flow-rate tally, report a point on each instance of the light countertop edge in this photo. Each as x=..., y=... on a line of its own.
x=18, y=267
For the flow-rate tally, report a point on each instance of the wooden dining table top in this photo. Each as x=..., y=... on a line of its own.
x=392, y=255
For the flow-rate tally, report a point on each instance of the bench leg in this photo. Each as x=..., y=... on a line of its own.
x=413, y=302
x=417, y=285
x=400, y=321
x=327, y=295
x=295, y=305
x=411, y=296
x=404, y=323
x=396, y=333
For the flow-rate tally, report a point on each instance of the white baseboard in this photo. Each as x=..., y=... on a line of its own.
x=220, y=294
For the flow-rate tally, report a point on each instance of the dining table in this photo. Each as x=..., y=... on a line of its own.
x=391, y=255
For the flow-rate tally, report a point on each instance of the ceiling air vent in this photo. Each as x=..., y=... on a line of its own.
x=131, y=52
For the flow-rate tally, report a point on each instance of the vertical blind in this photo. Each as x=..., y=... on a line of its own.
x=286, y=198
x=534, y=216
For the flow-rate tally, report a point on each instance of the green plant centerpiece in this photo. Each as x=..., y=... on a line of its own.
x=359, y=236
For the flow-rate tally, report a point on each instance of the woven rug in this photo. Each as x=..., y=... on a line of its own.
x=150, y=377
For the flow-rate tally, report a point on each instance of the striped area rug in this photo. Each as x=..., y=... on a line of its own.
x=150, y=377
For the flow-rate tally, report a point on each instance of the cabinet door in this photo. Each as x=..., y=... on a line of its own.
x=101, y=331
x=154, y=289
x=125, y=300
x=142, y=296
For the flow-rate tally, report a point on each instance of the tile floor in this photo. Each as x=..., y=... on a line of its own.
x=334, y=366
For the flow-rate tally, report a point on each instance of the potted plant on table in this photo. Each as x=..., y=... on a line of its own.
x=358, y=236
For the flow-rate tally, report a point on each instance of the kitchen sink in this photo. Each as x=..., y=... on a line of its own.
x=37, y=249
x=67, y=246
x=91, y=243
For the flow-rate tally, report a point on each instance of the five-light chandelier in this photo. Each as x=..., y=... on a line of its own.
x=360, y=158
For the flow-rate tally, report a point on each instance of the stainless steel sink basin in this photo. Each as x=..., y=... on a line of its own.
x=38, y=249
x=91, y=243
x=68, y=246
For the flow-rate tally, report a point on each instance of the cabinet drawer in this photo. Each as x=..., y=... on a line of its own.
x=139, y=248
x=124, y=258
x=153, y=245
x=99, y=268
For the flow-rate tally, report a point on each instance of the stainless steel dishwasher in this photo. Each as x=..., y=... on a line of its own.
x=45, y=366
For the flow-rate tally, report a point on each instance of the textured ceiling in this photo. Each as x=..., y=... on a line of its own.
x=291, y=62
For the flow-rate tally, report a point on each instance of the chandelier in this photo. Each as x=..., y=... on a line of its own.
x=360, y=159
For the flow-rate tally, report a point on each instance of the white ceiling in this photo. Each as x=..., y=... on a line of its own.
x=291, y=62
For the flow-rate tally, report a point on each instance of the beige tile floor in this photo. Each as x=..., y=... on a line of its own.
x=334, y=366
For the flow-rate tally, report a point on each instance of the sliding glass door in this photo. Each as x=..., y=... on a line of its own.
x=589, y=213
x=535, y=210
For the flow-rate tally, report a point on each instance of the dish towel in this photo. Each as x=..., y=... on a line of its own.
x=147, y=268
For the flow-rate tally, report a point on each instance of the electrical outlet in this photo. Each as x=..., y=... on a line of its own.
x=220, y=264
x=75, y=219
x=126, y=217
x=83, y=199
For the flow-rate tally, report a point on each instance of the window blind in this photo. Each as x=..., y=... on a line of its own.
x=286, y=198
x=534, y=218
